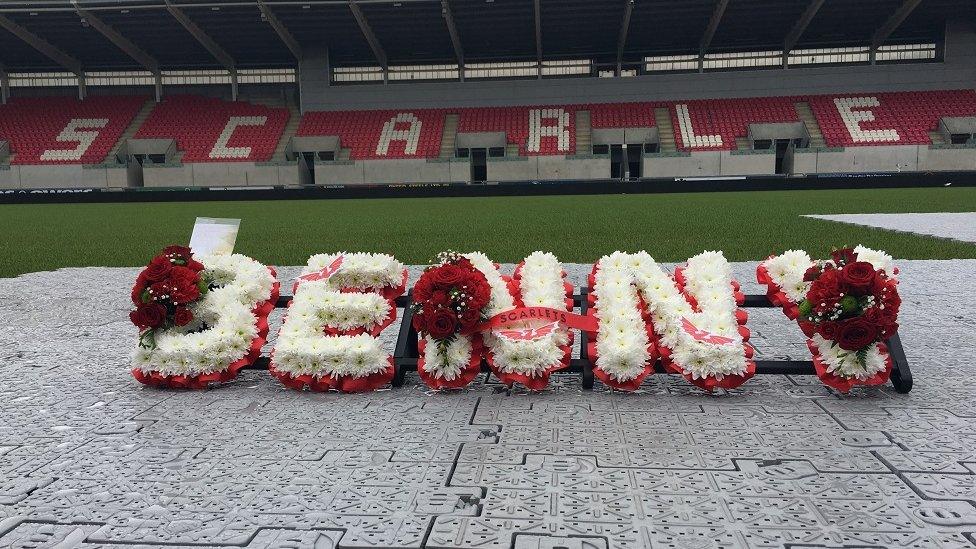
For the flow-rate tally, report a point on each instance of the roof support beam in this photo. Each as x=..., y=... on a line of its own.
x=538, y=36
x=208, y=43
x=713, y=23
x=624, y=29
x=374, y=43
x=799, y=28
x=455, y=36
x=4, y=85
x=891, y=25
x=281, y=29
x=126, y=45
x=42, y=46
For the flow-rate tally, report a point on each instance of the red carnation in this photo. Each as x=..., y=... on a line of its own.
x=826, y=289
x=194, y=265
x=158, y=268
x=419, y=322
x=182, y=316
x=811, y=274
x=470, y=318
x=856, y=333
x=178, y=252
x=442, y=324
x=448, y=276
x=439, y=298
x=828, y=330
x=859, y=276
x=150, y=315
x=843, y=256
x=808, y=328
x=423, y=288
x=141, y=282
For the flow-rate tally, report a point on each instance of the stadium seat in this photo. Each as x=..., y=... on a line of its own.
x=902, y=118
x=622, y=115
x=65, y=130
x=538, y=130
x=213, y=130
x=715, y=124
x=380, y=134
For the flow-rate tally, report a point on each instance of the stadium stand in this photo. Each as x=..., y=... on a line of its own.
x=65, y=130
x=903, y=118
x=380, y=134
x=537, y=130
x=715, y=124
x=622, y=115
x=213, y=130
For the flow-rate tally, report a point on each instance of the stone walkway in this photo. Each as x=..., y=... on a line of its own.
x=89, y=458
x=954, y=226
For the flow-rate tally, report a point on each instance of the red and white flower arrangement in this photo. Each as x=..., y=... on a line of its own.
x=846, y=305
x=691, y=321
x=200, y=321
x=329, y=339
x=450, y=300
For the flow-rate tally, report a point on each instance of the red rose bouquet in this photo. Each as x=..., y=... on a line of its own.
x=449, y=303
x=164, y=290
x=850, y=309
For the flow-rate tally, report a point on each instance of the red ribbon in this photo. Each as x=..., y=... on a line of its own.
x=511, y=316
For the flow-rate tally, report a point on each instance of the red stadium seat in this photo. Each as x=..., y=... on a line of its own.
x=380, y=134
x=65, y=130
x=902, y=118
x=537, y=130
x=622, y=115
x=715, y=124
x=214, y=130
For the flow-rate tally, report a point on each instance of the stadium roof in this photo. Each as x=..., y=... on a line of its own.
x=191, y=34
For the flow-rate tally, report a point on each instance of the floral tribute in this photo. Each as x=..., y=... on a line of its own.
x=329, y=338
x=460, y=307
x=200, y=321
x=847, y=306
x=690, y=321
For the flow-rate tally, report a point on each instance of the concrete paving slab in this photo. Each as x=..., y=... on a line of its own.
x=954, y=226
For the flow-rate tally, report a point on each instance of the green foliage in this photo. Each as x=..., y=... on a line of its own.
x=672, y=227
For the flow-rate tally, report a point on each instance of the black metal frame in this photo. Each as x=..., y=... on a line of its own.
x=406, y=354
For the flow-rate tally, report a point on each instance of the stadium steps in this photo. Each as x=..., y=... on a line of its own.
x=584, y=133
x=344, y=154
x=665, y=129
x=511, y=150
x=805, y=113
x=743, y=144
x=449, y=135
x=131, y=130
x=291, y=128
x=937, y=138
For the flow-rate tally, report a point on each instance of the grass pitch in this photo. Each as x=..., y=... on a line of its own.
x=578, y=229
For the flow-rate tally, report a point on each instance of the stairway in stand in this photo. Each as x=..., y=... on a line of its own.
x=131, y=130
x=937, y=138
x=810, y=121
x=584, y=133
x=294, y=119
x=662, y=117
x=449, y=135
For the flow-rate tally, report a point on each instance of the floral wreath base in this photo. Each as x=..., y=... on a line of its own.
x=344, y=384
x=845, y=384
x=202, y=381
x=466, y=376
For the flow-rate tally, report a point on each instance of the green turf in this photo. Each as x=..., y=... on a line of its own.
x=672, y=227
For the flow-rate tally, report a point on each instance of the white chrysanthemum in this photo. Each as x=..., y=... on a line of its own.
x=303, y=349
x=846, y=364
x=242, y=283
x=787, y=270
x=878, y=259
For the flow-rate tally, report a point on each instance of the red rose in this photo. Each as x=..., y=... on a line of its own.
x=185, y=293
x=441, y=324
x=158, y=268
x=178, y=252
x=141, y=282
x=828, y=330
x=856, y=333
x=859, y=276
x=448, y=276
x=182, y=316
x=151, y=315
x=873, y=315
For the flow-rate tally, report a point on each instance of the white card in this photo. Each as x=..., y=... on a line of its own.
x=213, y=235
